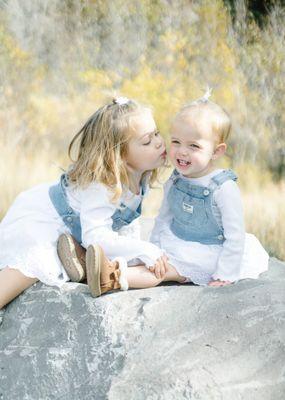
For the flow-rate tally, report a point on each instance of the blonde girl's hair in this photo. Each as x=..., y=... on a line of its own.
x=216, y=115
x=102, y=147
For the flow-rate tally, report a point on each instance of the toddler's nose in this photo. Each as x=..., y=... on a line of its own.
x=183, y=152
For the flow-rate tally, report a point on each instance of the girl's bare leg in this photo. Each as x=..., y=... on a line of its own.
x=13, y=283
x=140, y=277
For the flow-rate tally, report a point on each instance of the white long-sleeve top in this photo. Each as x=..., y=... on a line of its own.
x=228, y=212
x=96, y=210
x=30, y=230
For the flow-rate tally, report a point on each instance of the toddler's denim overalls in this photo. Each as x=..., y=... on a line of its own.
x=122, y=216
x=192, y=209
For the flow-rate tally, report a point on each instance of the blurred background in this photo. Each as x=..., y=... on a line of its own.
x=61, y=59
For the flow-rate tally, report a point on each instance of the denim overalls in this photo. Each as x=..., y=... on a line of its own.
x=192, y=209
x=122, y=216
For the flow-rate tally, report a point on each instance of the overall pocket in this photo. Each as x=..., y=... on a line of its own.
x=188, y=210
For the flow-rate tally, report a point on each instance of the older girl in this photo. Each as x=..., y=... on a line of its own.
x=98, y=200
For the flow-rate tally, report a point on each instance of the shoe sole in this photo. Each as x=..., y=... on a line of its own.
x=93, y=269
x=68, y=257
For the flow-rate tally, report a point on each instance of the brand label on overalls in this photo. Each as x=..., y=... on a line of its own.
x=187, y=207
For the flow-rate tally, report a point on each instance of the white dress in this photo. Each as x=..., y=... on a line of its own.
x=240, y=256
x=30, y=230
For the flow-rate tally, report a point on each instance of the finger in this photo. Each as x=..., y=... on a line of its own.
x=158, y=269
x=214, y=283
x=165, y=262
x=226, y=283
x=218, y=283
x=154, y=267
x=163, y=267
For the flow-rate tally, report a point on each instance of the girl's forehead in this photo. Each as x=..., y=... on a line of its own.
x=143, y=124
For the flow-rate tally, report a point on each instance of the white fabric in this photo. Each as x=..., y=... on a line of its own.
x=31, y=227
x=241, y=255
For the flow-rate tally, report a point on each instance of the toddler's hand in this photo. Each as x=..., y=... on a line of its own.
x=218, y=283
x=160, y=267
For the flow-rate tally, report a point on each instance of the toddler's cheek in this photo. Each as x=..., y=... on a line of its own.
x=172, y=154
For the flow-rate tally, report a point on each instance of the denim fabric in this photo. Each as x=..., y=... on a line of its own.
x=122, y=216
x=71, y=218
x=192, y=209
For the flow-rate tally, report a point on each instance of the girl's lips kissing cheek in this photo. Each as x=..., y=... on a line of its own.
x=182, y=163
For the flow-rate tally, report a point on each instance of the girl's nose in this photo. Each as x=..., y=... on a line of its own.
x=159, y=142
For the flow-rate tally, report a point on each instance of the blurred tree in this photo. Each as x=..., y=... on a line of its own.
x=164, y=52
x=258, y=9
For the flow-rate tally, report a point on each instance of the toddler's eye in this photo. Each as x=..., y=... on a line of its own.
x=195, y=146
x=146, y=144
x=174, y=141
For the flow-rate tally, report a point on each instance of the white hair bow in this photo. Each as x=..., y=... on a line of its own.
x=121, y=100
x=207, y=95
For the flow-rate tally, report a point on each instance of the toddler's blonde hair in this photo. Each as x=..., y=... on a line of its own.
x=103, y=147
x=204, y=109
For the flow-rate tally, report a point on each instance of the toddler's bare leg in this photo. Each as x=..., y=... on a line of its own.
x=140, y=277
x=13, y=283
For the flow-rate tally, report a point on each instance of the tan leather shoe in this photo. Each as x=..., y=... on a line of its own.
x=72, y=256
x=104, y=275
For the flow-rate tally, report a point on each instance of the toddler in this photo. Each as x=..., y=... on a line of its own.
x=200, y=225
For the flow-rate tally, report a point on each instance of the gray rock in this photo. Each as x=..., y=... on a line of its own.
x=169, y=342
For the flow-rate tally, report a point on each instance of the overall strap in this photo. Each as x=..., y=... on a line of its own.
x=58, y=196
x=187, y=187
x=174, y=175
x=144, y=186
x=59, y=199
x=222, y=177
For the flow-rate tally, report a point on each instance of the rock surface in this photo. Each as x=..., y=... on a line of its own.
x=166, y=343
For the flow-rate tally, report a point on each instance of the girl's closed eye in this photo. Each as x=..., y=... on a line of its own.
x=156, y=133
x=174, y=141
x=148, y=142
x=195, y=146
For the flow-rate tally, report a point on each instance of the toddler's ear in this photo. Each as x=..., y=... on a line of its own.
x=219, y=151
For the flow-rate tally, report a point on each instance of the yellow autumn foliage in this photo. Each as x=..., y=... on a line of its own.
x=163, y=54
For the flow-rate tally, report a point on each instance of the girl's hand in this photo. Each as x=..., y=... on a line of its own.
x=218, y=283
x=160, y=267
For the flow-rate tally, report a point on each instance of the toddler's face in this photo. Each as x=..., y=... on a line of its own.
x=192, y=148
x=146, y=149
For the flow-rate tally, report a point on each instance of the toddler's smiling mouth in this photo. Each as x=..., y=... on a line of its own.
x=183, y=163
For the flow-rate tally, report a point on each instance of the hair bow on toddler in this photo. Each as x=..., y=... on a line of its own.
x=207, y=95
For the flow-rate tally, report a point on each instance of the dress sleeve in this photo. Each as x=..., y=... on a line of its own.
x=133, y=230
x=164, y=216
x=228, y=200
x=96, y=224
